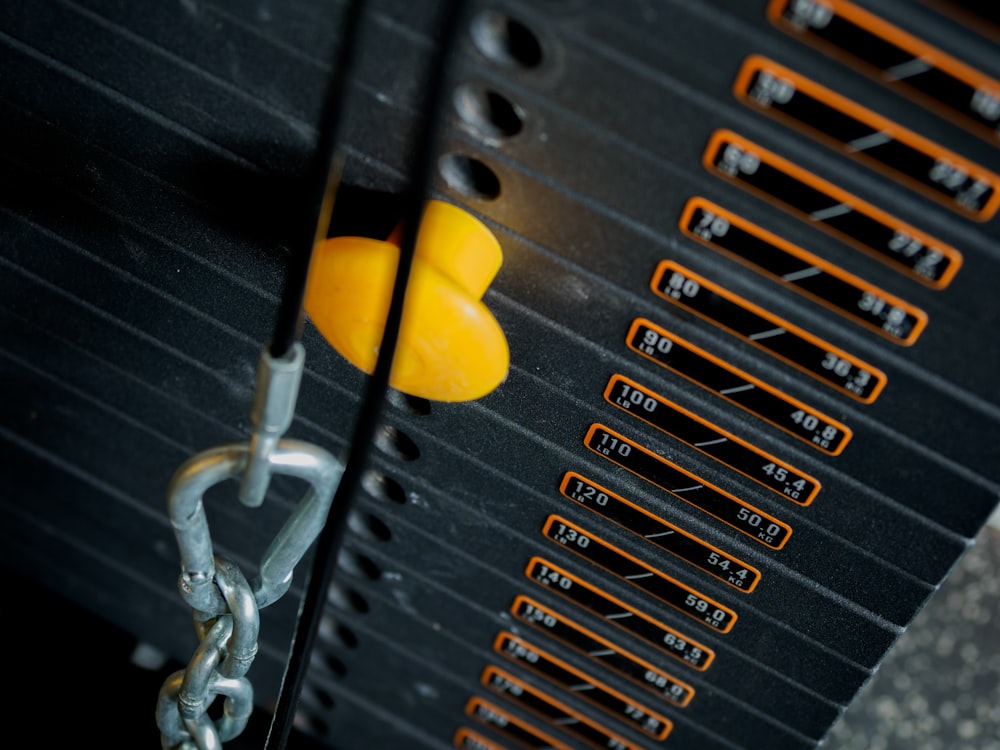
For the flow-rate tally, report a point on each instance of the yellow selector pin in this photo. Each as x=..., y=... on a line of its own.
x=450, y=346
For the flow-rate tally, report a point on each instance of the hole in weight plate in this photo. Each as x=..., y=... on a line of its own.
x=470, y=177
x=505, y=40
x=414, y=405
x=358, y=565
x=347, y=599
x=381, y=487
x=396, y=443
x=368, y=526
x=488, y=112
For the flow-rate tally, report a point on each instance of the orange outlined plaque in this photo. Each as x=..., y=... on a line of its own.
x=602, y=650
x=739, y=455
x=731, y=510
x=897, y=59
x=466, y=739
x=602, y=696
x=691, y=362
x=855, y=131
x=802, y=271
x=631, y=569
x=670, y=640
x=780, y=338
x=555, y=712
x=832, y=209
x=511, y=727
x=655, y=530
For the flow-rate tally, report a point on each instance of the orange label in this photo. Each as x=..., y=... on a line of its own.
x=600, y=649
x=855, y=131
x=832, y=209
x=802, y=271
x=765, y=330
x=896, y=59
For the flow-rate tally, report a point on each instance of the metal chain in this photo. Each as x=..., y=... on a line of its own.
x=225, y=604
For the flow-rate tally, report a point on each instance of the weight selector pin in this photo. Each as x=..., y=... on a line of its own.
x=451, y=347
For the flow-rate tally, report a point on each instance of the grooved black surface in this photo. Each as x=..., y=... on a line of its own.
x=151, y=164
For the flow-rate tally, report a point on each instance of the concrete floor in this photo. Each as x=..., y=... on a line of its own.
x=939, y=688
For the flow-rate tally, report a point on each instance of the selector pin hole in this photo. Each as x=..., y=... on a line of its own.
x=358, y=565
x=322, y=697
x=347, y=637
x=311, y=724
x=368, y=526
x=396, y=443
x=505, y=40
x=381, y=487
x=347, y=599
x=413, y=405
x=334, y=665
x=488, y=112
x=469, y=176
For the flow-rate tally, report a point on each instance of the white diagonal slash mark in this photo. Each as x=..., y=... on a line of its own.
x=711, y=442
x=604, y=652
x=689, y=489
x=767, y=334
x=618, y=616
x=661, y=533
x=869, y=141
x=805, y=273
x=737, y=389
x=828, y=213
x=638, y=576
x=909, y=68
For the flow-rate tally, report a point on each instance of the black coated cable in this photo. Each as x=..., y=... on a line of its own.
x=329, y=540
x=321, y=182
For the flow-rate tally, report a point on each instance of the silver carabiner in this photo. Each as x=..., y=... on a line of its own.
x=226, y=606
x=256, y=463
x=187, y=516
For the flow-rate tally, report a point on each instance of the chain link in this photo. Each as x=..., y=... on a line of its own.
x=225, y=604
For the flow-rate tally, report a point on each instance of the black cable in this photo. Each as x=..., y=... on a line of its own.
x=329, y=540
x=319, y=187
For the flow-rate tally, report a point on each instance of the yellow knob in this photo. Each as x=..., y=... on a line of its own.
x=450, y=346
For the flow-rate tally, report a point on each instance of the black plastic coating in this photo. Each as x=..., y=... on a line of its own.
x=329, y=540
x=320, y=186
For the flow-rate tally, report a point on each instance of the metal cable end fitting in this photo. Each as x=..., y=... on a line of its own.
x=271, y=415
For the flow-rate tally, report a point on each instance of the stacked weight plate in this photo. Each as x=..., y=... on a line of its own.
x=750, y=423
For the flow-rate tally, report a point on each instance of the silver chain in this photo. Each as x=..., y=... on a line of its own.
x=225, y=604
